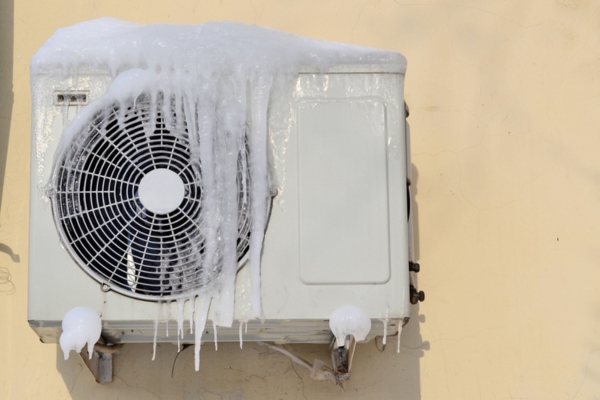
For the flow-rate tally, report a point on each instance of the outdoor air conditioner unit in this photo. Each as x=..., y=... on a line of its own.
x=338, y=232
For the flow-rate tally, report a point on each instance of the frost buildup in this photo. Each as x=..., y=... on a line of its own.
x=349, y=320
x=232, y=83
x=80, y=325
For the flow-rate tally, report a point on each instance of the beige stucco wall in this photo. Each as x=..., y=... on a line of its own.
x=505, y=116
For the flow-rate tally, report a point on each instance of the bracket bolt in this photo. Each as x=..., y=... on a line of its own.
x=416, y=296
x=414, y=267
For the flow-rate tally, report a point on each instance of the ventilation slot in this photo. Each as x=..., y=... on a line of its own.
x=70, y=98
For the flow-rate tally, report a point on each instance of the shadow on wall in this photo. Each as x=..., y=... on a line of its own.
x=256, y=371
x=414, y=177
x=6, y=84
x=6, y=103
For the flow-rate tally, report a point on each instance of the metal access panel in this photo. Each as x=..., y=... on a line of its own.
x=344, y=203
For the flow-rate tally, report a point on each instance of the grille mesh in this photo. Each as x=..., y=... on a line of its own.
x=103, y=223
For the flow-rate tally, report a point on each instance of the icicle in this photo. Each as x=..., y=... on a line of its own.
x=150, y=126
x=178, y=123
x=260, y=90
x=166, y=107
x=215, y=335
x=168, y=316
x=399, y=334
x=385, y=324
x=192, y=301
x=200, y=319
x=155, y=330
x=121, y=115
x=180, y=306
x=65, y=109
x=204, y=109
x=241, y=338
x=231, y=119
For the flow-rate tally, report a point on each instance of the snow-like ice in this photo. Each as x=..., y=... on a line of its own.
x=80, y=325
x=233, y=83
x=349, y=320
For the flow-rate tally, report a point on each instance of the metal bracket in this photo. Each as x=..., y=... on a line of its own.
x=341, y=359
x=101, y=363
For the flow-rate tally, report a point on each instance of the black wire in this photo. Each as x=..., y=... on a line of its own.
x=185, y=346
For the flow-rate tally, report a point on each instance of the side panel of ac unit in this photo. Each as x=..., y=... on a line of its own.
x=337, y=235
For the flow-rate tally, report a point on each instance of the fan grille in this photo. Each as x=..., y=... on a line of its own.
x=103, y=223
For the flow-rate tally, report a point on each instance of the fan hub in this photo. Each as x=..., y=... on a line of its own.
x=161, y=191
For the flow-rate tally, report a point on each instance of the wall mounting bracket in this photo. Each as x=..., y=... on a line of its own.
x=101, y=363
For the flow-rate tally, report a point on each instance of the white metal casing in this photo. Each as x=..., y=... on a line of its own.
x=338, y=232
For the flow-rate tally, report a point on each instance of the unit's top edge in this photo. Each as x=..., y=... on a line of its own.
x=206, y=49
x=336, y=69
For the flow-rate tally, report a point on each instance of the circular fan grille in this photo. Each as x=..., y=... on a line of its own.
x=111, y=232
